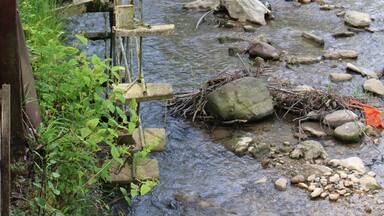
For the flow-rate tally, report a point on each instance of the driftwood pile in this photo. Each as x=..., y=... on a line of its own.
x=191, y=105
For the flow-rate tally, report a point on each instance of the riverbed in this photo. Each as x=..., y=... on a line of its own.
x=197, y=161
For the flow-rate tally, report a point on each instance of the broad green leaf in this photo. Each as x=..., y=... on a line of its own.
x=82, y=39
x=92, y=124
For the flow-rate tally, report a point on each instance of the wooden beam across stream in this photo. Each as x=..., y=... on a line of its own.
x=146, y=92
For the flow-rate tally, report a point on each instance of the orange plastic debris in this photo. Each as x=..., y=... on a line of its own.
x=373, y=116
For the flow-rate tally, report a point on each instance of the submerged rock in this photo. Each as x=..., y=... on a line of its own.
x=340, y=77
x=246, y=10
x=243, y=99
x=309, y=150
x=233, y=51
x=314, y=38
x=242, y=145
x=281, y=184
x=339, y=117
x=313, y=128
x=374, y=86
x=229, y=39
x=303, y=59
x=258, y=150
x=249, y=28
x=357, y=19
x=341, y=54
x=353, y=163
x=349, y=132
x=263, y=50
x=343, y=34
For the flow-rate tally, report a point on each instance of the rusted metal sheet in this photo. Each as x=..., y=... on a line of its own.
x=10, y=72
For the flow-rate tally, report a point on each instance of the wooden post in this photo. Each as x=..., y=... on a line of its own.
x=5, y=150
x=124, y=16
x=10, y=72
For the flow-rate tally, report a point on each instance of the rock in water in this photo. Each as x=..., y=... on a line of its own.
x=310, y=150
x=353, y=163
x=357, y=19
x=316, y=192
x=369, y=183
x=340, y=77
x=246, y=10
x=243, y=99
x=204, y=5
x=375, y=86
x=313, y=128
x=349, y=132
x=340, y=117
x=334, y=197
x=281, y=184
x=341, y=54
x=263, y=50
x=363, y=72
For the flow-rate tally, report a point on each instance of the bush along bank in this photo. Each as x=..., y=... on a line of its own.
x=70, y=155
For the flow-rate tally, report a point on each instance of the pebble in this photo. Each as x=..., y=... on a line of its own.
x=314, y=38
x=312, y=187
x=343, y=34
x=281, y=184
x=297, y=179
x=324, y=194
x=363, y=72
x=334, y=197
x=342, y=174
x=379, y=201
x=316, y=192
x=327, y=7
x=327, y=174
x=302, y=186
x=311, y=178
x=342, y=192
x=323, y=181
x=335, y=178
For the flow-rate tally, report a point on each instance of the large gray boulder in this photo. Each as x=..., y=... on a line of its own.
x=246, y=10
x=243, y=99
x=242, y=10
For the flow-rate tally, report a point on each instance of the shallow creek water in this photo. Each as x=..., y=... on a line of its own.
x=197, y=160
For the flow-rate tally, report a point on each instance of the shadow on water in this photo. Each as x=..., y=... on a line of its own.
x=196, y=161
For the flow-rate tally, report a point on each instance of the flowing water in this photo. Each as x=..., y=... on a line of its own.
x=196, y=160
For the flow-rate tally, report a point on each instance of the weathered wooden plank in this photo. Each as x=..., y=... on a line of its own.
x=5, y=149
x=97, y=35
x=142, y=31
x=124, y=16
x=153, y=91
x=155, y=138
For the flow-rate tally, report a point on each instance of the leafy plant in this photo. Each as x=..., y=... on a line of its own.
x=76, y=143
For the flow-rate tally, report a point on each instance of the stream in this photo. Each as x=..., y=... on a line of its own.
x=197, y=161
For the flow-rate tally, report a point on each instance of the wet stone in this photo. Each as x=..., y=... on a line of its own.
x=349, y=132
x=281, y=184
x=343, y=34
x=374, y=86
x=357, y=19
x=263, y=50
x=249, y=28
x=313, y=128
x=334, y=197
x=309, y=150
x=313, y=38
x=316, y=192
x=297, y=179
x=340, y=77
x=353, y=68
x=341, y=54
x=339, y=117
x=228, y=39
x=327, y=7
